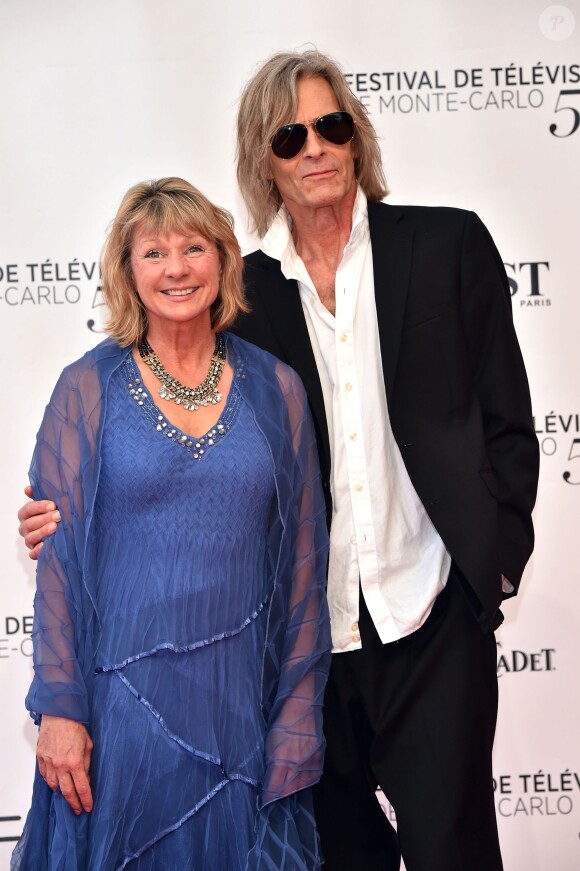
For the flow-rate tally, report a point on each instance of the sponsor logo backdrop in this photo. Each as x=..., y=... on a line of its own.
x=477, y=106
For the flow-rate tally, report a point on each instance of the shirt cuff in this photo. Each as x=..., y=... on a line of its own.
x=506, y=587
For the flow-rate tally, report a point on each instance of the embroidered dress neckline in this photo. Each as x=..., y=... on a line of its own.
x=197, y=447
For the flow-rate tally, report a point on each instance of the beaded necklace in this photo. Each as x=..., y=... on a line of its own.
x=190, y=398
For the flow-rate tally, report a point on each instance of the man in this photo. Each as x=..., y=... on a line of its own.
x=398, y=320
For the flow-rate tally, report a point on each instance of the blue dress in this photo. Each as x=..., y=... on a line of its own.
x=186, y=666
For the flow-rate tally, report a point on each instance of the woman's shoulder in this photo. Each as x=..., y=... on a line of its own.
x=81, y=383
x=247, y=354
x=266, y=382
x=106, y=353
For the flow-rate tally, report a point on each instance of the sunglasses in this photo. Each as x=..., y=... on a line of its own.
x=289, y=140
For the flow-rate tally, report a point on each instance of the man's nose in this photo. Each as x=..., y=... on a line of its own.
x=314, y=145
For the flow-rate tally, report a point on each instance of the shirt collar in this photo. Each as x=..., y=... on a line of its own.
x=278, y=242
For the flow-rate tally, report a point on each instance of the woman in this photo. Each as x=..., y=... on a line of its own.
x=181, y=631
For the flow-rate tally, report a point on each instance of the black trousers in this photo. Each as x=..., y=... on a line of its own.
x=417, y=718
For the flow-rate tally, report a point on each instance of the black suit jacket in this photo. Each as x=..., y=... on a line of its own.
x=455, y=382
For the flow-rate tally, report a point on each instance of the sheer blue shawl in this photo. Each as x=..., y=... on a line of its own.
x=65, y=468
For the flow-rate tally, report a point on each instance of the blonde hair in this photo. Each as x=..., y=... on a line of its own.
x=167, y=205
x=269, y=101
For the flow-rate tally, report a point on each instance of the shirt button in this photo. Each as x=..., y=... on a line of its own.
x=358, y=487
x=343, y=337
x=312, y=300
x=356, y=637
x=348, y=386
x=353, y=539
x=354, y=627
x=353, y=437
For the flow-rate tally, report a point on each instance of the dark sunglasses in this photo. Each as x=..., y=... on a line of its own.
x=289, y=140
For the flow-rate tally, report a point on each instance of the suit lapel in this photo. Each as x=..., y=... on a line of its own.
x=284, y=311
x=391, y=250
x=391, y=243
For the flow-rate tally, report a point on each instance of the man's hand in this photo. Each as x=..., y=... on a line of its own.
x=64, y=757
x=37, y=520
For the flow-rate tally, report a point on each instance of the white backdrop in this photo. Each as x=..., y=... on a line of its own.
x=477, y=105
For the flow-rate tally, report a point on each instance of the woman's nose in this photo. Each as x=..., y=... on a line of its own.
x=176, y=264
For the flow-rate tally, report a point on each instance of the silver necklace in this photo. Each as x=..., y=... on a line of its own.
x=191, y=398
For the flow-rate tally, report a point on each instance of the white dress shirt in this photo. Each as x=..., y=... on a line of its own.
x=380, y=534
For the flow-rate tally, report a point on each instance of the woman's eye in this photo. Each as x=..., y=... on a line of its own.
x=194, y=249
x=153, y=254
